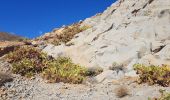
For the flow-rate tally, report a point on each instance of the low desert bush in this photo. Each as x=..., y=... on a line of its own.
x=164, y=96
x=93, y=71
x=153, y=74
x=68, y=33
x=29, y=61
x=116, y=66
x=63, y=70
x=121, y=91
x=25, y=52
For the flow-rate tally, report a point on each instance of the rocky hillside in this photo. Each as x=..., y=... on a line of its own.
x=110, y=56
x=128, y=32
x=9, y=37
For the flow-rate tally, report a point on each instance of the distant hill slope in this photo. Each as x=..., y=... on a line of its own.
x=9, y=37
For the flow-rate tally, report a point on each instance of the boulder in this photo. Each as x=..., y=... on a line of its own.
x=153, y=60
x=157, y=46
x=109, y=75
x=55, y=51
x=164, y=54
x=129, y=70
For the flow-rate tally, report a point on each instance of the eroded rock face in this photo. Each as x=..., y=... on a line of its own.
x=128, y=30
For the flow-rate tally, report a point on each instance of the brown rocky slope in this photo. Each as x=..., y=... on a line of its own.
x=10, y=37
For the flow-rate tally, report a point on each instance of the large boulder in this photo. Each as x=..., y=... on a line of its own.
x=164, y=54
x=109, y=76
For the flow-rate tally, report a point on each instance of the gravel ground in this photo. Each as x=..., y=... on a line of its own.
x=38, y=89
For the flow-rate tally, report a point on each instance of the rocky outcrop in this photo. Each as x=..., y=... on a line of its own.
x=129, y=29
x=128, y=32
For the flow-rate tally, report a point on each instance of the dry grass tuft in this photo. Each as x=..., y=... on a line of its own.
x=121, y=91
x=153, y=74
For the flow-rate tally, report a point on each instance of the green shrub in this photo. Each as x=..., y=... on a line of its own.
x=153, y=74
x=28, y=61
x=164, y=96
x=25, y=52
x=67, y=34
x=85, y=27
x=94, y=71
x=63, y=70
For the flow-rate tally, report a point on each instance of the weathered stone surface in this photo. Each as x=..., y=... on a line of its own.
x=153, y=60
x=164, y=54
x=108, y=76
x=55, y=51
x=128, y=30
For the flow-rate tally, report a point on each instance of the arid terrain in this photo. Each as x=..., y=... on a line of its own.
x=120, y=54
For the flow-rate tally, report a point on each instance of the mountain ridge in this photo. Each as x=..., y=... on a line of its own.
x=4, y=36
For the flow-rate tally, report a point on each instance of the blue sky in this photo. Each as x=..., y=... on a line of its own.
x=32, y=18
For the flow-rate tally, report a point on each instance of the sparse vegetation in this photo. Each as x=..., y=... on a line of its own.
x=121, y=91
x=153, y=74
x=63, y=70
x=67, y=34
x=164, y=96
x=94, y=71
x=25, y=40
x=116, y=66
x=29, y=61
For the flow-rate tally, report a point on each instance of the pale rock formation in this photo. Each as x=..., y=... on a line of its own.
x=128, y=30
